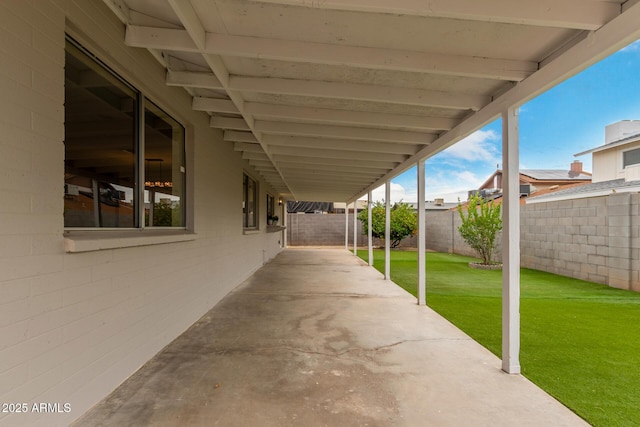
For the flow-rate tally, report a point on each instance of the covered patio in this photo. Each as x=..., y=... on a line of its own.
x=318, y=338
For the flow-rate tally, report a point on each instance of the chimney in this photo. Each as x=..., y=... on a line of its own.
x=576, y=169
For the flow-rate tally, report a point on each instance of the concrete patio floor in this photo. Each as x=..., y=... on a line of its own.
x=318, y=338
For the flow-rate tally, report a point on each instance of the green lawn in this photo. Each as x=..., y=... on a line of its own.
x=580, y=341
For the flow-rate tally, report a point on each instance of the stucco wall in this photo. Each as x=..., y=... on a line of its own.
x=75, y=325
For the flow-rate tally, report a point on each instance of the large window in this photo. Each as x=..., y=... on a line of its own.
x=124, y=156
x=631, y=157
x=249, y=202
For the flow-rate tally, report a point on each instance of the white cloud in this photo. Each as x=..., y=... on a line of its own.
x=398, y=193
x=476, y=147
x=452, y=185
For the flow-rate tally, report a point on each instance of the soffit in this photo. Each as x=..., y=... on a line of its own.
x=328, y=99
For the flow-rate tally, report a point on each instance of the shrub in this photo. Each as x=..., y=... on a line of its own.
x=480, y=226
x=404, y=221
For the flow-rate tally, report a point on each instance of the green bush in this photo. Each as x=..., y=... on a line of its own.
x=480, y=225
x=404, y=221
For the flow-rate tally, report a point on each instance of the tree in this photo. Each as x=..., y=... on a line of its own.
x=404, y=221
x=480, y=226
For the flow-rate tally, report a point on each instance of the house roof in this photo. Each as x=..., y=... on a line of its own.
x=327, y=100
x=590, y=190
x=615, y=144
x=542, y=175
x=555, y=175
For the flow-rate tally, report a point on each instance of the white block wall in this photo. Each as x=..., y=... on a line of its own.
x=75, y=325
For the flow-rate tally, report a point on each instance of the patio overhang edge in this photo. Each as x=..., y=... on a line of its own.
x=593, y=47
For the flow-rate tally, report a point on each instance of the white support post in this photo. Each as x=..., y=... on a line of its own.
x=355, y=227
x=510, y=243
x=285, y=221
x=346, y=226
x=422, y=299
x=387, y=230
x=369, y=231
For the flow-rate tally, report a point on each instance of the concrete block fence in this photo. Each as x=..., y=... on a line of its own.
x=595, y=239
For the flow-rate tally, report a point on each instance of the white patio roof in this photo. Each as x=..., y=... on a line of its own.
x=328, y=99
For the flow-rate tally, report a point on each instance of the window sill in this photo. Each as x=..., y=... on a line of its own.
x=275, y=228
x=251, y=231
x=97, y=240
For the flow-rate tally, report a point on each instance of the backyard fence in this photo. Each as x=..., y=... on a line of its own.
x=595, y=239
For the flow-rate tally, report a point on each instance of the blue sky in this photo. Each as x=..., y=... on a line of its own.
x=561, y=122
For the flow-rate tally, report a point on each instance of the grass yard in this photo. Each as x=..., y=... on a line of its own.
x=580, y=341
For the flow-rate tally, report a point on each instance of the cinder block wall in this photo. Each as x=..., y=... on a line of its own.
x=73, y=326
x=321, y=230
x=595, y=239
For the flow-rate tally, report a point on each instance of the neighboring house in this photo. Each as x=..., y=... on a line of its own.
x=616, y=164
x=619, y=157
x=537, y=181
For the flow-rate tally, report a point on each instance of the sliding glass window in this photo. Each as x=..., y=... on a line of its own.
x=111, y=143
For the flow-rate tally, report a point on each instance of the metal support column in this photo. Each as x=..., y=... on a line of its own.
x=510, y=243
x=387, y=230
x=369, y=227
x=421, y=236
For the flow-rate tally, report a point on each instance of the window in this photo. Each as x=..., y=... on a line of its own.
x=631, y=157
x=271, y=209
x=249, y=202
x=124, y=156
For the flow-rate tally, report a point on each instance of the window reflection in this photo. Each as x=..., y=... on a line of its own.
x=102, y=161
x=164, y=169
x=100, y=123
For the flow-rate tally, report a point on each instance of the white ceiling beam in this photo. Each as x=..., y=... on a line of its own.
x=247, y=146
x=323, y=53
x=340, y=144
x=326, y=115
x=228, y=123
x=612, y=37
x=121, y=10
x=193, y=79
x=196, y=31
x=360, y=92
x=329, y=161
x=236, y=136
x=329, y=182
x=214, y=105
x=254, y=156
x=329, y=169
x=332, y=177
x=343, y=132
x=337, y=154
x=189, y=18
x=577, y=14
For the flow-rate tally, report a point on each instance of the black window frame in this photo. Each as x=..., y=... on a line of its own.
x=142, y=106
